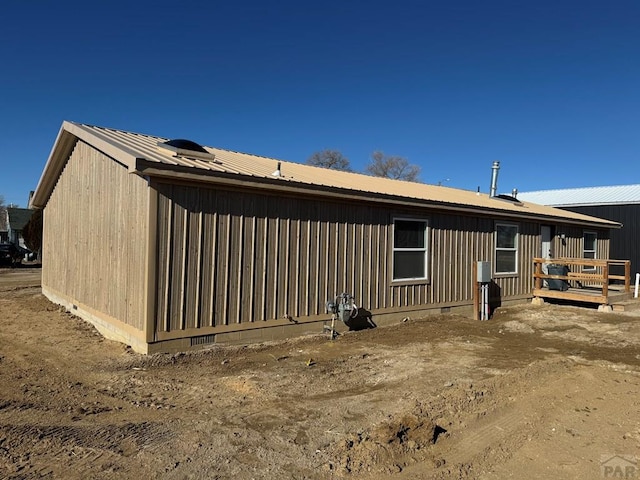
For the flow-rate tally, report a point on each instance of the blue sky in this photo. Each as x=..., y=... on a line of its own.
x=549, y=88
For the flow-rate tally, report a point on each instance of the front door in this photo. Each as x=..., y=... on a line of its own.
x=545, y=234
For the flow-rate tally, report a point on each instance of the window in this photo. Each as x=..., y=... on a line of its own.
x=506, y=248
x=589, y=242
x=409, y=249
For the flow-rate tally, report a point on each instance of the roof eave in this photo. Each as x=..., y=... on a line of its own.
x=65, y=142
x=154, y=169
x=62, y=148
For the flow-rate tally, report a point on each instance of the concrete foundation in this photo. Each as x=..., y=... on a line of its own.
x=113, y=329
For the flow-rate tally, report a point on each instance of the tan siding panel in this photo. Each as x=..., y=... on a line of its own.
x=95, y=234
x=260, y=257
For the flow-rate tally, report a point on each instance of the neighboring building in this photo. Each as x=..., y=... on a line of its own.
x=167, y=246
x=617, y=203
x=4, y=228
x=17, y=218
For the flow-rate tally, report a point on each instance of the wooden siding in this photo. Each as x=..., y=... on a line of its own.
x=230, y=259
x=573, y=244
x=95, y=236
x=623, y=244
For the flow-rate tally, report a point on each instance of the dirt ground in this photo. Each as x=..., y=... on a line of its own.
x=536, y=392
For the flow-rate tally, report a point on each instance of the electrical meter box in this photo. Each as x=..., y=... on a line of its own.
x=484, y=272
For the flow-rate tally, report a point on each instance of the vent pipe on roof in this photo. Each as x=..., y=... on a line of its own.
x=514, y=193
x=494, y=178
x=278, y=172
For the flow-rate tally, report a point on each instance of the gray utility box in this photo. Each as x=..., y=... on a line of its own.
x=484, y=272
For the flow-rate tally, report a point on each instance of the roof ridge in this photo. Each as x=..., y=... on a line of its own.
x=119, y=130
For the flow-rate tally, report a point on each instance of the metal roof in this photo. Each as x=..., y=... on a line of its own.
x=143, y=155
x=614, y=195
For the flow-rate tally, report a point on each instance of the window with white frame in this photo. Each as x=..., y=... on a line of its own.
x=506, y=260
x=589, y=246
x=409, y=249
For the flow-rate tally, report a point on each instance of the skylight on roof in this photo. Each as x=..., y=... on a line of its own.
x=181, y=147
x=508, y=198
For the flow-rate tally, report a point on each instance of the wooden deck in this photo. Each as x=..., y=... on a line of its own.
x=584, y=294
x=592, y=286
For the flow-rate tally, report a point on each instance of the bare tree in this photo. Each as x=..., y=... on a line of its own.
x=3, y=210
x=328, y=158
x=390, y=166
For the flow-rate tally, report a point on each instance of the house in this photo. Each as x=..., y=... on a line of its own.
x=4, y=228
x=617, y=203
x=17, y=219
x=166, y=245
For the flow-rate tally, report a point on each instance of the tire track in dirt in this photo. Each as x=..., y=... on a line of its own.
x=24, y=449
x=501, y=434
x=8, y=406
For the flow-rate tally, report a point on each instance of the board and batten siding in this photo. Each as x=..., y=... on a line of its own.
x=572, y=246
x=239, y=259
x=232, y=257
x=95, y=236
x=458, y=241
x=624, y=241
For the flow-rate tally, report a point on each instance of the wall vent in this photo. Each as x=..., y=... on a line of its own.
x=203, y=340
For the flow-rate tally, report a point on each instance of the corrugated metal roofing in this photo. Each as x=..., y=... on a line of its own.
x=129, y=148
x=614, y=195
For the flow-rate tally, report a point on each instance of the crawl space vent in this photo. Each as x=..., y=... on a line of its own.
x=203, y=340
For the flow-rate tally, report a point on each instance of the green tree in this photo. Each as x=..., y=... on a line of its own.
x=391, y=166
x=328, y=158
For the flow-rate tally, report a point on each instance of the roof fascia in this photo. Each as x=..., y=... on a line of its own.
x=94, y=138
x=66, y=140
x=62, y=148
x=156, y=170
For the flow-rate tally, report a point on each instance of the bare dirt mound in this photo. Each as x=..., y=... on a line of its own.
x=389, y=446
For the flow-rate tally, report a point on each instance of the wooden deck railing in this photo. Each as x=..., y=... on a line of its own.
x=597, y=278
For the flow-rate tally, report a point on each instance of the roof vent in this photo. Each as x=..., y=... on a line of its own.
x=494, y=178
x=278, y=171
x=187, y=148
